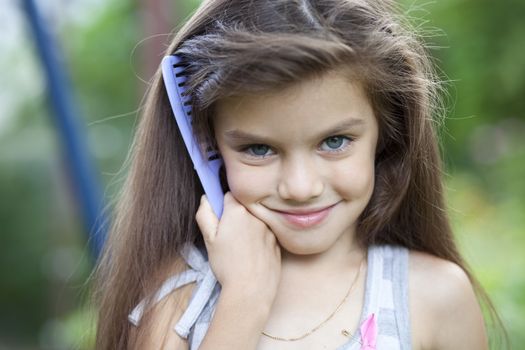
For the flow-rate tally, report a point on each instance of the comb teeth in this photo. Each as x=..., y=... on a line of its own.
x=180, y=77
x=212, y=154
x=206, y=160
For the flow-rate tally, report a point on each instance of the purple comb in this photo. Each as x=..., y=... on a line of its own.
x=207, y=170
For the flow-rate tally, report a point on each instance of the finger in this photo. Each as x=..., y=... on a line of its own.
x=228, y=197
x=230, y=200
x=206, y=220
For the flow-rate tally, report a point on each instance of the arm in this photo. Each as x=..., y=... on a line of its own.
x=156, y=330
x=237, y=323
x=245, y=257
x=459, y=315
x=444, y=309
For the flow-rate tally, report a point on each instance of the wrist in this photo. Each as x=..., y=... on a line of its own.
x=258, y=302
x=239, y=314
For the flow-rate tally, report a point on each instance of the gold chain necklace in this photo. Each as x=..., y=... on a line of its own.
x=327, y=319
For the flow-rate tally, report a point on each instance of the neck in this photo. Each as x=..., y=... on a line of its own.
x=344, y=254
x=310, y=279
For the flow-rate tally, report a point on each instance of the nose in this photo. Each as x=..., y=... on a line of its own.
x=300, y=180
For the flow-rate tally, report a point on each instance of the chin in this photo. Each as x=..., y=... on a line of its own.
x=303, y=247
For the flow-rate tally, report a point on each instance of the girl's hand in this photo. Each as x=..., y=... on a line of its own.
x=242, y=250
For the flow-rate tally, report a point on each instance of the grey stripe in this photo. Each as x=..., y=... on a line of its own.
x=371, y=283
x=387, y=267
x=385, y=263
x=400, y=291
x=387, y=323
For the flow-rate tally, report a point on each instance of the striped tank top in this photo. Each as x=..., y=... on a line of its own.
x=386, y=296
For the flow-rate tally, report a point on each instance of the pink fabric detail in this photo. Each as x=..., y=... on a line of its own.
x=369, y=333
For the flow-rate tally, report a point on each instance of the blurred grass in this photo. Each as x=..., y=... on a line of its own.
x=486, y=205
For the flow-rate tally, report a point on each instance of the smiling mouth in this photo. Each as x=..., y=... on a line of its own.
x=306, y=218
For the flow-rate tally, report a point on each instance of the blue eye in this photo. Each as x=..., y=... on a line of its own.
x=258, y=150
x=336, y=143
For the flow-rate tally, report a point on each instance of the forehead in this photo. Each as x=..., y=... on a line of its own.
x=298, y=110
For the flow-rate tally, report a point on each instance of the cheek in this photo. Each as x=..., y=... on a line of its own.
x=247, y=184
x=355, y=180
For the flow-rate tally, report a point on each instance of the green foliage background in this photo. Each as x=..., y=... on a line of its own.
x=44, y=261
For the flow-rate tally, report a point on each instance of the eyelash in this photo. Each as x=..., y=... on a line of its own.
x=348, y=140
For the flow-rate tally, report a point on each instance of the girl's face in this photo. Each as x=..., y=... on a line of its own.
x=294, y=152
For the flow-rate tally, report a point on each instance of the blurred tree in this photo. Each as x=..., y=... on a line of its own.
x=482, y=57
x=484, y=61
x=43, y=262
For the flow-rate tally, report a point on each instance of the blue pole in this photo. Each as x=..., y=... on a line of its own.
x=86, y=186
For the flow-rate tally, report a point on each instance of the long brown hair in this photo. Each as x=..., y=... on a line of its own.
x=239, y=47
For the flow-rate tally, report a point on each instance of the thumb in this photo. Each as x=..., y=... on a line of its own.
x=207, y=220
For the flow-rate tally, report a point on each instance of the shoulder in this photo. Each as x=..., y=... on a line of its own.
x=156, y=330
x=445, y=313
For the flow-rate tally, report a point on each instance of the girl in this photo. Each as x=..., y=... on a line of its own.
x=334, y=233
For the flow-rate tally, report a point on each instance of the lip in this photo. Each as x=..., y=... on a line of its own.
x=306, y=218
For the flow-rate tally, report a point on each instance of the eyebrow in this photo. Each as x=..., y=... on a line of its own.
x=242, y=136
